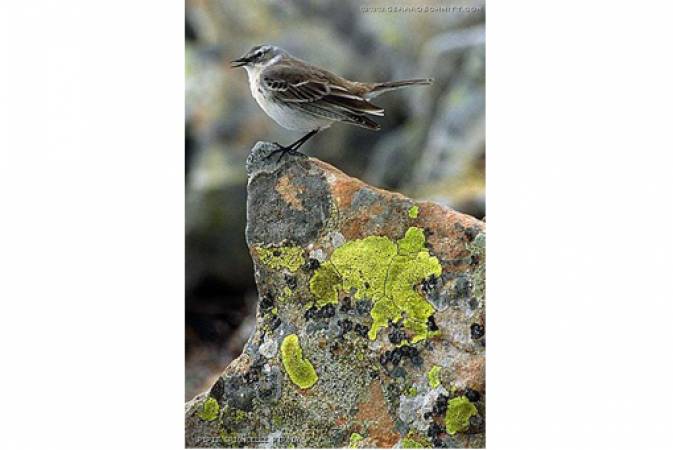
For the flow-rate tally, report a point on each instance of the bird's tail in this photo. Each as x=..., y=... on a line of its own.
x=379, y=88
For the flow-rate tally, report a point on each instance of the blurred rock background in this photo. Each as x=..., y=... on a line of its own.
x=431, y=146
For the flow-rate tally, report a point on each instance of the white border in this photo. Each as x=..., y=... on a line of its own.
x=579, y=219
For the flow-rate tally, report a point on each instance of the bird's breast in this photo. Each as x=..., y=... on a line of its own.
x=286, y=116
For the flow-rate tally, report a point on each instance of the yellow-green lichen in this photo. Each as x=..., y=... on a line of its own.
x=355, y=438
x=458, y=413
x=299, y=369
x=404, y=343
x=412, y=392
x=415, y=440
x=410, y=443
x=413, y=212
x=412, y=242
x=363, y=265
x=404, y=273
x=229, y=439
x=385, y=272
x=433, y=376
x=289, y=257
x=285, y=294
x=325, y=284
x=434, y=333
x=210, y=410
x=239, y=415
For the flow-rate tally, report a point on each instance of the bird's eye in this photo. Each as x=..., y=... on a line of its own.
x=257, y=54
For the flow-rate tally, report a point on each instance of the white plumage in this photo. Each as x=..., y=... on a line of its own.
x=284, y=116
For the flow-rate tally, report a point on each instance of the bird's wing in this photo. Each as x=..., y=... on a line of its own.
x=301, y=86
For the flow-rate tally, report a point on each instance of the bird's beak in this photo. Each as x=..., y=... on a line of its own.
x=242, y=61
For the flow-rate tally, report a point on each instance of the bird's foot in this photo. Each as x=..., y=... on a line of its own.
x=284, y=151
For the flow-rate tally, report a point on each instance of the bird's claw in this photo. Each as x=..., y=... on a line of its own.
x=283, y=151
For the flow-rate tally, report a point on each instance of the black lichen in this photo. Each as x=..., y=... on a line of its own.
x=396, y=335
x=310, y=313
x=472, y=395
x=471, y=233
x=398, y=372
x=266, y=303
x=363, y=307
x=476, y=424
x=429, y=284
x=346, y=305
x=346, y=326
x=437, y=442
x=435, y=430
x=396, y=357
x=291, y=281
x=432, y=325
x=311, y=265
x=476, y=331
x=439, y=408
x=462, y=288
x=327, y=311
x=362, y=330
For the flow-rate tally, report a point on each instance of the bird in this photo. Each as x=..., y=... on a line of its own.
x=303, y=97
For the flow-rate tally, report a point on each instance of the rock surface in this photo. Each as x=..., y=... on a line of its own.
x=370, y=323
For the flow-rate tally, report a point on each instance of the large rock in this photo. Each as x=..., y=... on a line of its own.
x=370, y=322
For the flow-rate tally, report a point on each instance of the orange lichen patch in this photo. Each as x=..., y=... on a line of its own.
x=375, y=209
x=340, y=421
x=332, y=170
x=354, y=228
x=342, y=186
x=373, y=413
x=449, y=238
x=289, y=192
x=471, y=371
x=363, y=221
x=359, y=226
x=343, y=193
x=345, y=187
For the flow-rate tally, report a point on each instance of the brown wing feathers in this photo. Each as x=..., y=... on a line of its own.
x=320, y=94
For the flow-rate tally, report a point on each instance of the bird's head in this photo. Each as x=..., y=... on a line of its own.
x=258, y=56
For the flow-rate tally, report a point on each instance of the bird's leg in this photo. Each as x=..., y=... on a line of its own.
x=293, y=148
x=301, y=141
